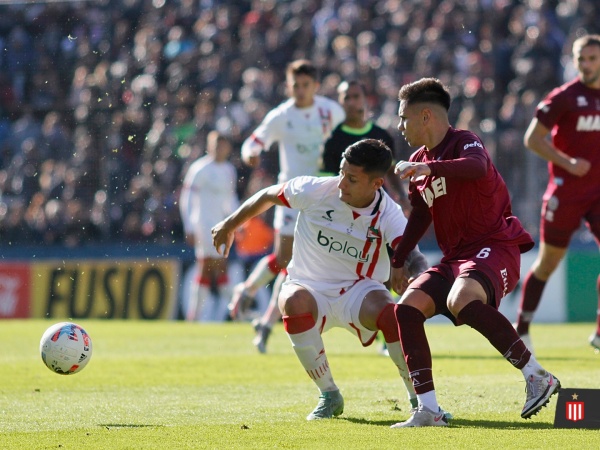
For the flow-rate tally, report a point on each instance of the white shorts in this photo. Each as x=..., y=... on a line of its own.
x=284, y=221
x=342, y=311
x=204, y=247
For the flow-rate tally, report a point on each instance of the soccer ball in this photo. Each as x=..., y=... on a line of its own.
x=66, y=348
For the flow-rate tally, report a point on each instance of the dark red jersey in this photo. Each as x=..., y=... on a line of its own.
x=572, y=113
x=466, y=198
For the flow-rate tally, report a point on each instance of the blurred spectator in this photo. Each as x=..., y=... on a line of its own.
x=123, y=90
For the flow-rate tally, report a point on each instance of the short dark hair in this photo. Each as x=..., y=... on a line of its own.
x=302, y=67
x=371, y=154
x=584, y=41
x=347, y=84
x=214, y=137
x=425, y=90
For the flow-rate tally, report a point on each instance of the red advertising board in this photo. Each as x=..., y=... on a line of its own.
x=15, y=290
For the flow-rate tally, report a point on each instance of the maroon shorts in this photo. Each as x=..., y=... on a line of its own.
x=562, y=212
x=496, y=267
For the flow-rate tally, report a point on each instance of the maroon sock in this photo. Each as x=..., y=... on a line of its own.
x=530, y=299
x=598, y=310
x=496, y=328
x=415, y=347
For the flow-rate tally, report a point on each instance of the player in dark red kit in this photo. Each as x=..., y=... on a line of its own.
x=571, y=115
x=454, y=184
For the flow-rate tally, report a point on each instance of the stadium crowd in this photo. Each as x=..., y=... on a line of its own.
x=104, y=104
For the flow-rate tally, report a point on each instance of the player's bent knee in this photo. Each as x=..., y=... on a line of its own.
x=386, y=322
x=545, y=269
x=293, y=302
x=453, y=307
x=419, y=300
x=456, y=305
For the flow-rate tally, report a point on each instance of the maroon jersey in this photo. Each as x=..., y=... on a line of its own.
x=466, y=198
x=572, y=113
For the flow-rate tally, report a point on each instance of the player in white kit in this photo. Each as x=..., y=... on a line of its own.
x=208, y=195
x=339, y=261
x=300, y=127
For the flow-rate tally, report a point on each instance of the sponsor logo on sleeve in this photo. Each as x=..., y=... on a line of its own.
x=473, y=144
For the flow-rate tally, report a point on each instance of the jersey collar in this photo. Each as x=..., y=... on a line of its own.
x=358, y=131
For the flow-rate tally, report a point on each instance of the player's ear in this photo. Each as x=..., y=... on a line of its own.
x=377, y=182
x=425, y=115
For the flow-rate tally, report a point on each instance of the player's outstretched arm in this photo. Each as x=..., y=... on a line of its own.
x=223, y=232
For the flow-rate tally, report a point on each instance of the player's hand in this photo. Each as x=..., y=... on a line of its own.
x=578, y=167
x=222, y=238
x=399, y=280
x=406, y=169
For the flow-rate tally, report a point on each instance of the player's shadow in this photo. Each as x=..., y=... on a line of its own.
x=128, y=425
x=463, y=423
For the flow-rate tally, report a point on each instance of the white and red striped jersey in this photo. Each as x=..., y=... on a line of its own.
x=300, y=133
x=335, y=244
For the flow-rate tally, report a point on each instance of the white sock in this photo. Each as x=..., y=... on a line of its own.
x=532, y=368
x=198, y=295
x=309, y=348
x=396, y=355
x=259, y=277
x=429, y=401
x=225, y=292
x=526, y=316
x=272, y=315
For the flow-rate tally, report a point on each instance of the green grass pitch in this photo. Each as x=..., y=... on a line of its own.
x=172, y=385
